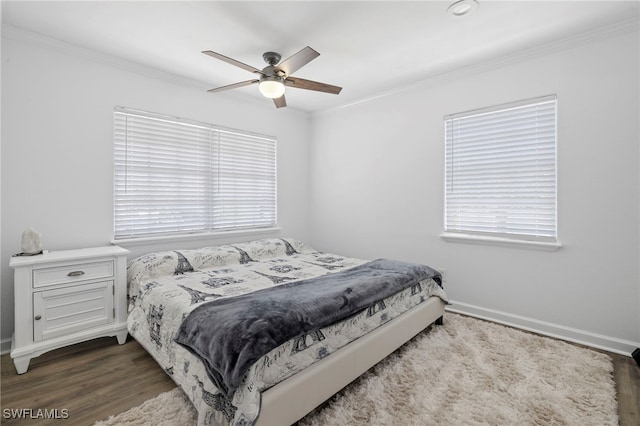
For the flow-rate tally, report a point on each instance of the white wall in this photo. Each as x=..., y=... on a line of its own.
x=57, y=146
x=375, y=171
x=377, y=190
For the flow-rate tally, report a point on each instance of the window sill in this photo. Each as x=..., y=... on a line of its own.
x=132, y=242
x=500, y=241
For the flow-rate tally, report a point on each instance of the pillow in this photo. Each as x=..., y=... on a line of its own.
x=146, y=268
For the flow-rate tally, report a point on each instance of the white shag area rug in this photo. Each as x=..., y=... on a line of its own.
x=467, y=372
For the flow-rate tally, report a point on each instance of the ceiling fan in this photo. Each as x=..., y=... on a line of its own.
x=276, y=75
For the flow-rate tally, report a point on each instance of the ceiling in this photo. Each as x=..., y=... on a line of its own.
x=366, y=47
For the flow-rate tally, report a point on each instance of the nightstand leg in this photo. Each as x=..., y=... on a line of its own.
x=22, y=364
x=122, y=337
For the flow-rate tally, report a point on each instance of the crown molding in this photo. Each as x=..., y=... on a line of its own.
x=445, y=74
x=38, y=40
x=452, y=73
x=42, y=41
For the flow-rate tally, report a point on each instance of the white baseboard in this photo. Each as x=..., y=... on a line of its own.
x=594, y=340
x=5, y=346
x=598, y=341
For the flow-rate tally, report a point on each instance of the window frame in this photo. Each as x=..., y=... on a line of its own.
x=214, y=146
x=461, y=233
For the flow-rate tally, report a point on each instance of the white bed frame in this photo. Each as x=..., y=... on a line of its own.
x=291, y=399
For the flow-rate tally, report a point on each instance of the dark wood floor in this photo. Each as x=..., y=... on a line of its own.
x=96, y=379
x=627, y=375
x=92, y=380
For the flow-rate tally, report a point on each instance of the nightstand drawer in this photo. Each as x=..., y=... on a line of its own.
x=67, y=274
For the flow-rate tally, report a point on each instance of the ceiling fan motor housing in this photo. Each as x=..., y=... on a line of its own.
x=272, y=71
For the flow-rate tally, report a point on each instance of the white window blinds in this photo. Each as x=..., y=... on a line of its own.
x=500, y=171
x=174, y=176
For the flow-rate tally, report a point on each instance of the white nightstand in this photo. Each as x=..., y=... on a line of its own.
x=66, y=297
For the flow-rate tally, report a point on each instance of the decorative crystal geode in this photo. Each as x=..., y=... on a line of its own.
x=31, y=241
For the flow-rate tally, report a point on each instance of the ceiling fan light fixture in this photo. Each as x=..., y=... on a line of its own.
x=462, y=7
x=271, y=87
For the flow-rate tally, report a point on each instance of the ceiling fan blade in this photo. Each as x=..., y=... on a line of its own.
x=301, y=83
x=280, y=102
x=233, y=86
x=298, y=60
x=232, y=61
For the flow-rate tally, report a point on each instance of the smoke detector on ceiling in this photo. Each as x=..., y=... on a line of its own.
x=462, y=7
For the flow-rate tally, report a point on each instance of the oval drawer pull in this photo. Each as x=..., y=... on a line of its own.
x=38, y=317
x=75, y=273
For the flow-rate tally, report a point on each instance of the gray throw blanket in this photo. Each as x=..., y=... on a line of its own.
x=231, y=334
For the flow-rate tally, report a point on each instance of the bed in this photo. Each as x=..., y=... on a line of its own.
x=318, y=321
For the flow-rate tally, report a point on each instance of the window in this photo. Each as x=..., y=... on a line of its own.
x=500, y=172
x=175, y=176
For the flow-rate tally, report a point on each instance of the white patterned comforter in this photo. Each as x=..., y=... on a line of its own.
x=164, y=287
